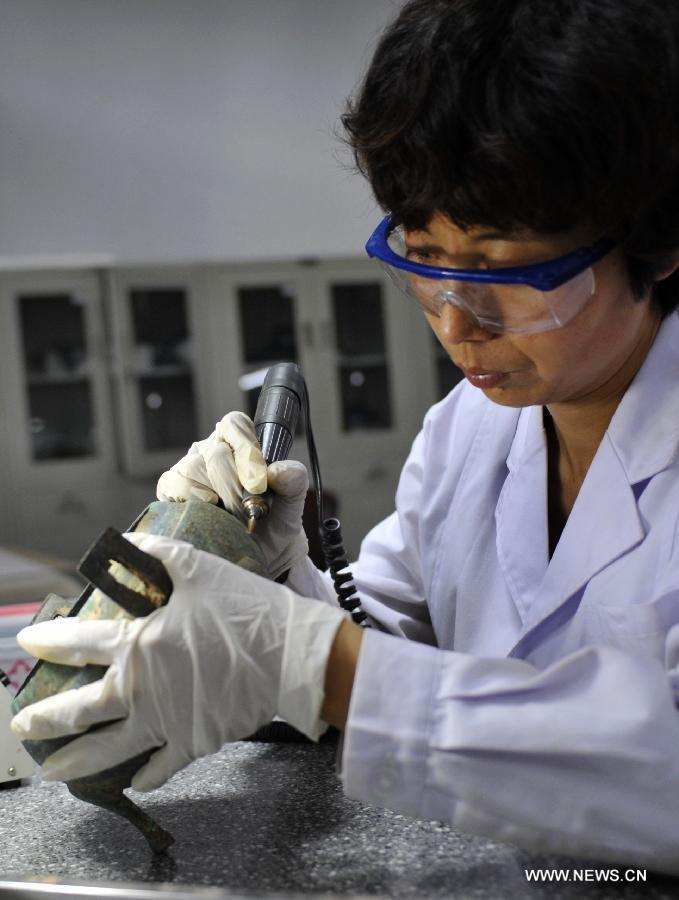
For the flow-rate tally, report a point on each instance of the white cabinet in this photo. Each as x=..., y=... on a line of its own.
x=108, y=377
x=374, y=380
x=56, y=411
x=257, y=319
x=366, y=357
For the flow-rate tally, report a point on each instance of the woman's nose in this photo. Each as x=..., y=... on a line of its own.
x=455, y=325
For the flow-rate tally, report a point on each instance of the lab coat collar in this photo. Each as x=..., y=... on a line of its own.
x=528, y=439
x=603, y=525
x=644, y=430
x=642, y=440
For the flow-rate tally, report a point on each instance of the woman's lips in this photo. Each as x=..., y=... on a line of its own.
x=484, y=378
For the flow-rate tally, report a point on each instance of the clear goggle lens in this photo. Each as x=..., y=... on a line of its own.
x=495, y=307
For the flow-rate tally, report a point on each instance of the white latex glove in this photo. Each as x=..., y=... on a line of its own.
x=222, y=465
x=228, y=652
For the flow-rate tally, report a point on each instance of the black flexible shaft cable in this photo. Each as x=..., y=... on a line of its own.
x=330, y=532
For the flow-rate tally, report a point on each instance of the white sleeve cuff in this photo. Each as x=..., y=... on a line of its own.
x=385, y=758
x=306, y=579
x=310, y=634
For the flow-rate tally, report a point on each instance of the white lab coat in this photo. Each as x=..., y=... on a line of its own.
x=535, y=699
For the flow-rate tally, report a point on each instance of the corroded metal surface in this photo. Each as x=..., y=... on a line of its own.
x=206, y=527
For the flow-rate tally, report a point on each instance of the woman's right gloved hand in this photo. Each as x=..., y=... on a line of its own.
x=230, y=461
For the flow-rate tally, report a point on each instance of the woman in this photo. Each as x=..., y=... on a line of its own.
x=528, y=155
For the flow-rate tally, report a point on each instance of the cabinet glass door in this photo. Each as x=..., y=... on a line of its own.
x=57, y=366
x=362, y=371
x=158, y=363
x=267, y=331
x=162, y=366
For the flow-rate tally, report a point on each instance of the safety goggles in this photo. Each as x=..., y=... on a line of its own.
x=538, y=297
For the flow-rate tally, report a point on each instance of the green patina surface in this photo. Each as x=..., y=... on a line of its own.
x=206, y=527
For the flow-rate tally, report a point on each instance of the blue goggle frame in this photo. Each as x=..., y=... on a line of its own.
x=544, y=276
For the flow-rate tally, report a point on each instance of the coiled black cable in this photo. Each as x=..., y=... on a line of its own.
x=330, y=532
x=338, y=564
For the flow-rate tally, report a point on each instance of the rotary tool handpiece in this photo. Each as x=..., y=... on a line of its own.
x=275, y=421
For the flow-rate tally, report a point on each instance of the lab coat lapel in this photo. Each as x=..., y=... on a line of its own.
x=604, y=523
x=521, y=512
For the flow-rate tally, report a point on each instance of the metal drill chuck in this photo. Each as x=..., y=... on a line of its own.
x=256, y=507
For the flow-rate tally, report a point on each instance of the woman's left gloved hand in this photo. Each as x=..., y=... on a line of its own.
x=228, y=652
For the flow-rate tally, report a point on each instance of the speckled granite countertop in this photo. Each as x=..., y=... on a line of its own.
x=269, y=819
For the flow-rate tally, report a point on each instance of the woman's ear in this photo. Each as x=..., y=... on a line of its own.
x=669, y=265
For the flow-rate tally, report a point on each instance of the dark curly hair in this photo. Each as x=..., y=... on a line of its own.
x=544, y=115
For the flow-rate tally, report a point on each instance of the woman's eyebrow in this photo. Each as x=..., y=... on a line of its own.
x=457, y=260
x=428, y=248
x=499, y=236
x=415, y=243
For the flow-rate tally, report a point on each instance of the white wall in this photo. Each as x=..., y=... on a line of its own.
x=168, y=130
